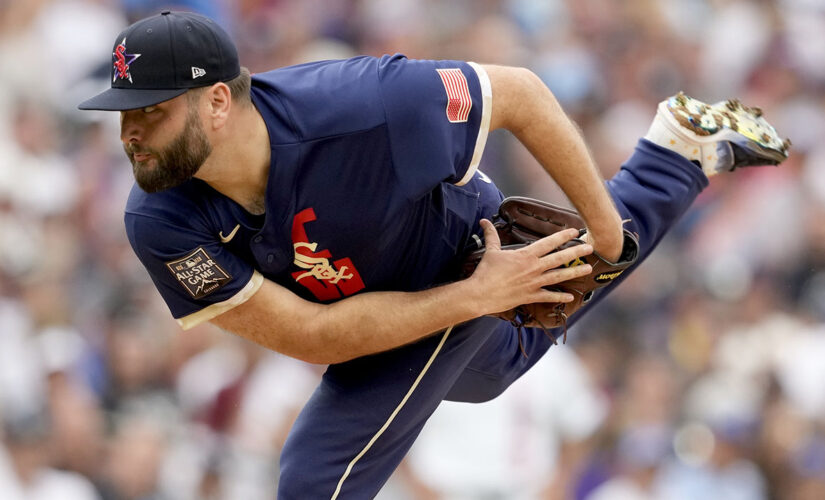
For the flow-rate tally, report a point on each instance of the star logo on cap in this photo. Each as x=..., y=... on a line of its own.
x=122, y=62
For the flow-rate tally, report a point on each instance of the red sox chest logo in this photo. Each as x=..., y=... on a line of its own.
x=326, y=281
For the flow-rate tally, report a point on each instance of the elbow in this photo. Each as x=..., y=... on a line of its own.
x=517, y=77
x=321, y=347
x=534, y=98
x=531, y=84
x=324, y=358
x=518, y=96
x=528, y=78
x=326, y=355
x=314, y=359
x=313, y=352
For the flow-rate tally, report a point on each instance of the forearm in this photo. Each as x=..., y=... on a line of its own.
x=526, y=107
x=364, y=324
x=373, y=322
x=354, y=328
x=557, y=144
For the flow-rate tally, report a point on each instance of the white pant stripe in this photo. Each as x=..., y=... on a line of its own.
x=392, y=415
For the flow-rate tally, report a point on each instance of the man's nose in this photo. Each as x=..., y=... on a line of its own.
x=130, y=129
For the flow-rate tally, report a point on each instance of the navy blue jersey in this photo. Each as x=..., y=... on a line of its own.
x=372, y=186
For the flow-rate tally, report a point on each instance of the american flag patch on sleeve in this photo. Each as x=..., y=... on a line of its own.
x=459, y=102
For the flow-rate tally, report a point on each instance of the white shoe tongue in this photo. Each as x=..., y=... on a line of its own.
x=667, y=133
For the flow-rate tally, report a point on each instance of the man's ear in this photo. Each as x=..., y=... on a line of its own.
x=220, y=103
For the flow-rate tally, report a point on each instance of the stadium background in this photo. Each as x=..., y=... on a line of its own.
x=703, y=377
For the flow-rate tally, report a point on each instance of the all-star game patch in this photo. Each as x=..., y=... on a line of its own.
x=198, y=273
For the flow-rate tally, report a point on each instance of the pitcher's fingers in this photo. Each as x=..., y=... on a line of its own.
x=562, y=274
x=562, y=257
x=552, y=242
x=491, y=239
x=545, y=295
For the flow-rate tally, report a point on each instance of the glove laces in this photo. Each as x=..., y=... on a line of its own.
x=519, y=323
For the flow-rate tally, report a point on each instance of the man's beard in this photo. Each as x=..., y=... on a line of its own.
x=176, y=163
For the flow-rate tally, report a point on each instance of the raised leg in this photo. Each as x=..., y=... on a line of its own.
x=687, y=142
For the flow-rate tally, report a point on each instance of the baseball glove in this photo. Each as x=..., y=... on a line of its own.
x=519, y=222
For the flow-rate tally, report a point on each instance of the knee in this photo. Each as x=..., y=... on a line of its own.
x=477, y=389
x=298, y=482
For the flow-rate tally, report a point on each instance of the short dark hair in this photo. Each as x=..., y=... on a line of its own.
x=239, y=87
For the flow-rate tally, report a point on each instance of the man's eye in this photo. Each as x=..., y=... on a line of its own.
x=149, y=109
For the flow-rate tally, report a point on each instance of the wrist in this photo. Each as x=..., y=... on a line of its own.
x=470, y=298
x=607, y=242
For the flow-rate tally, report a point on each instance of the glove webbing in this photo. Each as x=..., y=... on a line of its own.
x=519, y=324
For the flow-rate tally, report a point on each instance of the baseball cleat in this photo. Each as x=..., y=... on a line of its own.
x=721, y=137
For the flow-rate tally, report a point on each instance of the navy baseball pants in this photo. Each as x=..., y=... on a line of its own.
x=366, y=413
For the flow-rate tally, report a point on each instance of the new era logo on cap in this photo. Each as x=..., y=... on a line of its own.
x=197, y=72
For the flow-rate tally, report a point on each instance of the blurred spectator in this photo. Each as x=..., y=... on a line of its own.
x=524, y=429
x=807, y=481
x=640, y=451
x=719, y=468
x=26, y=471
x=134, y=458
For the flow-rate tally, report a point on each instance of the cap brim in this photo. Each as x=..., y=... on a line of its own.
x=123, y=99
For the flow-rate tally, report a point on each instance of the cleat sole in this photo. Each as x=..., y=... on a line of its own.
x=727, y=135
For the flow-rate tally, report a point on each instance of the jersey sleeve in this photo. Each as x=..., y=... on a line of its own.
x=438, y=118
x=195, y=274
x=436, y=114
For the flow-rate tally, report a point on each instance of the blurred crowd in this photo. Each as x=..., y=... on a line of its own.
x=702, y=376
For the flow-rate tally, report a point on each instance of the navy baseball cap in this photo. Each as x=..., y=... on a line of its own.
x=163, y=56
